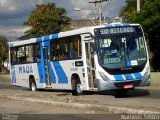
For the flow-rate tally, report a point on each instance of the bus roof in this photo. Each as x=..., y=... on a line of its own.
x=66, y=33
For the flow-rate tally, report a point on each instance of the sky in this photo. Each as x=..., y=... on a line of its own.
x=13, y=13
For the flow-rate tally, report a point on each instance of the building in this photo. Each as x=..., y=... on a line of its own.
x=82, y=23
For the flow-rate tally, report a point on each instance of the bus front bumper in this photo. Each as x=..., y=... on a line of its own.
x=113, y=85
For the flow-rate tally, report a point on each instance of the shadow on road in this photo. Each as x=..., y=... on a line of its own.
x=130, y=93
x=138, y=93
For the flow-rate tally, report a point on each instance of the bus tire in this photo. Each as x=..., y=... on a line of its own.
x=33, y=86
x=77, y=86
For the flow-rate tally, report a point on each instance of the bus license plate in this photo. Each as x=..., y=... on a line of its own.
x=128, y=86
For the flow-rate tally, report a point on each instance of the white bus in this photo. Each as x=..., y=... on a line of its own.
x=108, y=57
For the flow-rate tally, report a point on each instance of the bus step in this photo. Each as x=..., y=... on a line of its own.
x=48, y=87
x=93, y=89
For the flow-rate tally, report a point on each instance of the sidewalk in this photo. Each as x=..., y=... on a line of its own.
x=96, y=107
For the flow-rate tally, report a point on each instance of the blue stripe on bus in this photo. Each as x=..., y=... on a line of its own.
x=108, y=25
x=47, y=37
x=137, y=75
x=118, y=77
x=40, y=72
x=62, y=77
x=128, y=76
x=52, y=75
x=54, y=36
x=126, y=24
x=39, y=39
x=41, y=67
x=46, y=44
x=117, y=25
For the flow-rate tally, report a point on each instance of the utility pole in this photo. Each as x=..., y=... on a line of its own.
x=138, y=5
x=99, y=2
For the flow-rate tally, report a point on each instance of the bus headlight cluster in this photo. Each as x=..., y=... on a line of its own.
x=103, y=76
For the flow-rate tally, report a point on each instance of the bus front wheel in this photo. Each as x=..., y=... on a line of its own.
x=77, y=86
x=33, y=86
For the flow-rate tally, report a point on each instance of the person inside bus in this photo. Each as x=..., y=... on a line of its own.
x=113, y=48
x=132, y=49
x=22, y=60
x=72, y=53
x=37, y=58
x=58, y=53
x=117, y=47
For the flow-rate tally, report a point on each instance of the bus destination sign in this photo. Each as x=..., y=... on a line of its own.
x=116, y=30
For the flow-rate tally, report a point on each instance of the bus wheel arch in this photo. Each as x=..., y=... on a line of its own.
x=32, y=83
x=76, y=84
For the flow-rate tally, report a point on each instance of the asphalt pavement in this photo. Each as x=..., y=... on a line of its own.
x=144, y=100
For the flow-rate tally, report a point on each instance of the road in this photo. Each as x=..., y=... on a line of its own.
x=146, y=98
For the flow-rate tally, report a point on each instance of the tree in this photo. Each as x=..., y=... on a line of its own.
x=149, y=18
x=47, y=19
x=131, y=7
x=4, y=49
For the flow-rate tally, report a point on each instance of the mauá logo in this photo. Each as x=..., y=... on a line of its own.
x=25, y=69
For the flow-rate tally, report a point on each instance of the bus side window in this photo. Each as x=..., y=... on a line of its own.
x=29, y=53
x=74, y=48
x=21, y=55
x=58, y=52
x=73, y=52
x=36, y=53
x=66, y=48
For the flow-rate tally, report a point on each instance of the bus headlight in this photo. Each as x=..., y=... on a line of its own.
x=103, y=76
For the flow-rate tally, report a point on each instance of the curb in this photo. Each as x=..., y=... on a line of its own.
x=107, y=109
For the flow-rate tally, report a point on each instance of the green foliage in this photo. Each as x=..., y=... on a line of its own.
x=47, y=19
x=3, y=49
x=149, y=18
x=130, y=8
x=5, y=71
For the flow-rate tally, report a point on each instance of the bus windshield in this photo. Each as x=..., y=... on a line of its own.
x=121, y=51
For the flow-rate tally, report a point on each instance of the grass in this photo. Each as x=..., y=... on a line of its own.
x=5, y=78
x=5, y=72
x=155, y=78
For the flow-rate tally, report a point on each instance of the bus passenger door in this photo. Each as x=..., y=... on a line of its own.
x=90, y=65
x=46, y=65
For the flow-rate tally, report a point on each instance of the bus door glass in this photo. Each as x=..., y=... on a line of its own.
x=90, y=65
x=46, y=65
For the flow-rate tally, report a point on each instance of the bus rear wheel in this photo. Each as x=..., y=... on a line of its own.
x=33, y=86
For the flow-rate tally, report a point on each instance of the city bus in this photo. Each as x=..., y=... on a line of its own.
x=107, y=57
